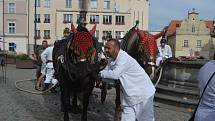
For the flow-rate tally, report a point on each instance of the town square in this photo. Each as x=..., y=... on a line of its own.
x=107, y=60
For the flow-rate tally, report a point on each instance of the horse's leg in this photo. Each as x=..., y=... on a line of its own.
x=66, y=102
x=117, y=102
x=103, y=92
x=86, y=97
x=75, y=108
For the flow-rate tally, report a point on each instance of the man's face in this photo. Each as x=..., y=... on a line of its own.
x=163, y=44
x=44, y=44
x=110, y=49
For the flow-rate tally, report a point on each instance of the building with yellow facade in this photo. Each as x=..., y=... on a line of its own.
x=191, y=36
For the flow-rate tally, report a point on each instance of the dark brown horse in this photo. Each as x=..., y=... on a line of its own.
x=76, y=70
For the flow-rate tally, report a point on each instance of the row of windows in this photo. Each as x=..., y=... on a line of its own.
x=198, y=44
x=68, y=4
x=45, y=36
x=46, y=18
x=68, y=18
x=46, y=3
x=107, y=19
x=106, y=34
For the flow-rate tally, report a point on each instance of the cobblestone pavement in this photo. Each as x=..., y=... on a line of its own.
x=16, y=105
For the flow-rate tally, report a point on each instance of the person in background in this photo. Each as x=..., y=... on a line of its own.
x=137, y=91
x=206, y=107
x=40, y=72
x=82, y=25
x=164, y=53
x=46, y=58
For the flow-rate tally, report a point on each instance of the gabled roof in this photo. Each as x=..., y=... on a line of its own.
x=177, y=23
x=172, y=26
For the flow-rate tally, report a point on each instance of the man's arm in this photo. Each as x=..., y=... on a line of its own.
x=120, y=67
x=161, y=33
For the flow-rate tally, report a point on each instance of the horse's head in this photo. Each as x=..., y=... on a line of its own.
x=81, y=45
x=142, y=46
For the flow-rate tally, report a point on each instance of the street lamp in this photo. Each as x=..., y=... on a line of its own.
x=3, y=41
x=35, y=25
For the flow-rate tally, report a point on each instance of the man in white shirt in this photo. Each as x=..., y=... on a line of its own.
x=164, y=51
x=46, y=57
x=137, y=90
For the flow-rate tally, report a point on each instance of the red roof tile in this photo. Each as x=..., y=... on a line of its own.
x=209, y=24
x=177, y=23
x=172, y=27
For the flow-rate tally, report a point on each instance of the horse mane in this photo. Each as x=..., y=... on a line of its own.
x=143, y=50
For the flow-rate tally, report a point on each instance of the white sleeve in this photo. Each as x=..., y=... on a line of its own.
x=120, y=67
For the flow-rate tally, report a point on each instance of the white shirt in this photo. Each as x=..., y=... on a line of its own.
x=165, y=52
x=136, y=85
x=47, y=54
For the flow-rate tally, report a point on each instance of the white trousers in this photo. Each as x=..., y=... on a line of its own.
x=159, y=60
x=143, y=111
x=50, y=74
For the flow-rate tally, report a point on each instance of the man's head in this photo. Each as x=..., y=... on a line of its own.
x=163, y=42
x=44, y=44
x=112, y=48
x=83, y=22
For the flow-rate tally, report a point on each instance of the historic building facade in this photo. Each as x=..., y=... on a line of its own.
x=113, y=17
x=15, y=25
x=29, y=22
x=191, y=37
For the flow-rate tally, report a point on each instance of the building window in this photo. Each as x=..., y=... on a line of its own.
x=11, y=28
x=37, y=34
x=68, y=3
x=193, y=28
x=199, y=44
x=37, y=18
x=107, y=19
x=46, y=34
x=47, y=18
x=47, y=3
x=94, y=4
x=94, y=19
x=67, y=18
x=82, y=4
x=12, y=47
x=106, y=34
x=37, y=3
x=186, y=44
x=177, y=25
x=119, y=34
x=120, y=20
x=11, y=7
x=106, y=4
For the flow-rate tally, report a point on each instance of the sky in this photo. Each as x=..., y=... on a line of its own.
x=161, y=12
